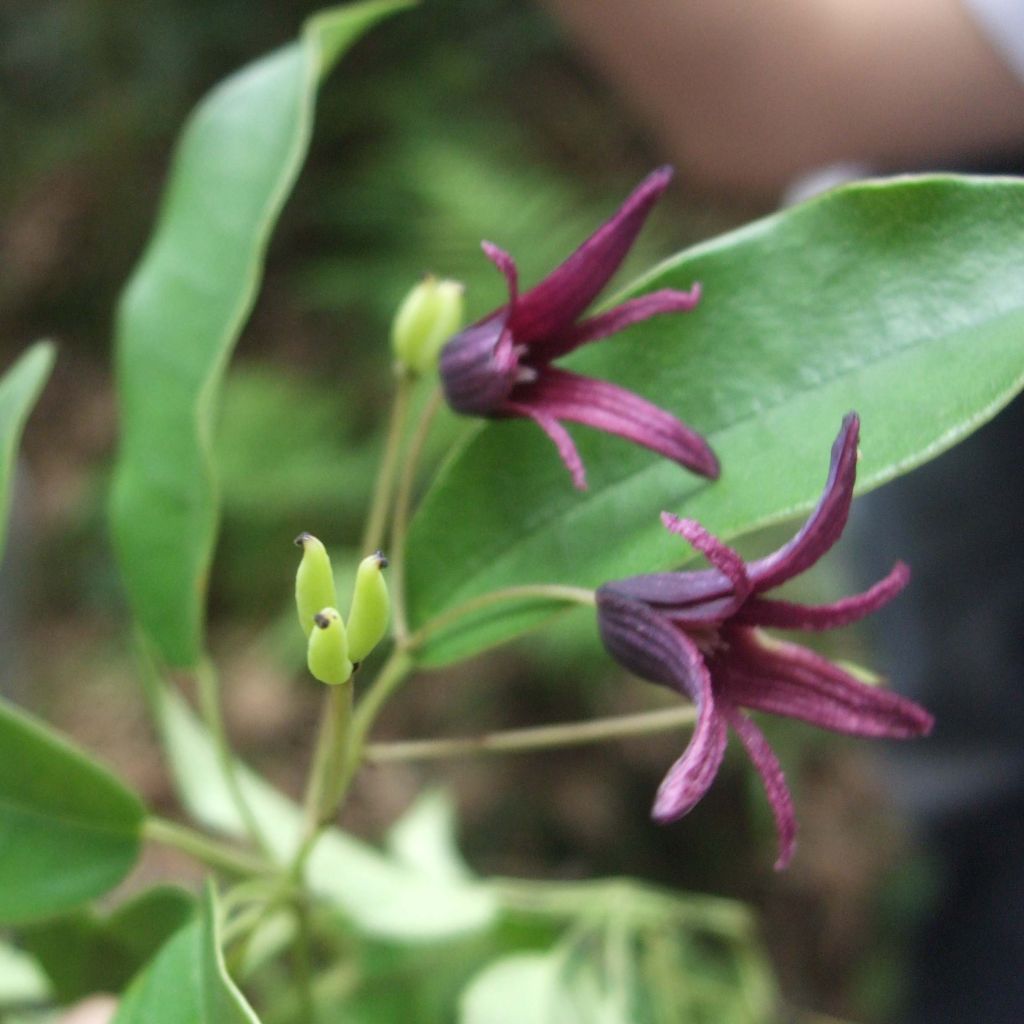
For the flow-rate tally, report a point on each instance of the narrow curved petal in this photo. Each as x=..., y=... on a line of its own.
x=826, y=522
x=553, y=305
x=787, y=679
x=763, y=611
x=720, y=555
x=562, y=441
x=634, y=311
x=768, y=767
x=691, y=775
x=562, y=395
x=651, y=647
x=507, y=265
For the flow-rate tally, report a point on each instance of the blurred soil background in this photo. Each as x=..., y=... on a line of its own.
x=462, y=120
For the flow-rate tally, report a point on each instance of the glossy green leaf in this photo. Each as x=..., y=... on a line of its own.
x=187, y=983
x=382, y=896
x=185, y=306
x=69, y=830
x=902, y=300
x=85, y=952
x=19, y=389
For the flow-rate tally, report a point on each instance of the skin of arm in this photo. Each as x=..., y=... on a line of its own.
x=746, y=94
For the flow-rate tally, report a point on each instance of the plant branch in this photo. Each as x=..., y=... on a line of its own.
x=539, y=738
x=203, y=848
x=209, y=706
x=376, y=520
x=403, y=503
x=323, y=790
x=528, y=591
x=391, y=676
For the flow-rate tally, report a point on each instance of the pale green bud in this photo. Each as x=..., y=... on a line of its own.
x=327, y=654
x=371, y=607
x=314, y=581
x=428, y=316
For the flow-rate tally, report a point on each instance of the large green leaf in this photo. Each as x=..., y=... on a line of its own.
x=187, y=983
x=19, y=389
x=69, y=830
x=85, y=952
x=903, y=300
x=383, y=896
x=185, y=306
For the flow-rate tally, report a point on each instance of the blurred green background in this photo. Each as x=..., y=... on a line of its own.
x=462, y=120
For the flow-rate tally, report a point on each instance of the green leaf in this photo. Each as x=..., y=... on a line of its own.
x=513, y=990
x=85, y=952
x=21, y=979
x=19, y=389
x=424, y=838
x=632, y=955
x=903, y=300
x=185, y=306
x=69, y=830
x=382, y=896
x=187, y=983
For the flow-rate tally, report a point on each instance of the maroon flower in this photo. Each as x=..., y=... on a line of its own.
x=501, y=365
x=697, y=632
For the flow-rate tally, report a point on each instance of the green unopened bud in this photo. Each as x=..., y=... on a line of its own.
x=314, y=581
x=428, y=316
x=371, y=607
x=327, y=654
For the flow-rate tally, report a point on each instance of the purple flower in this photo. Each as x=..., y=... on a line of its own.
x=697, y=632
x=501, y=365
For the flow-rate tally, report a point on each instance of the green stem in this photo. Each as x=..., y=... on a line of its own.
x=536, y=591
x=391, y=676
x=323, y=792
x=210, y=709
x=543, y=737
x=210, y=851
x=376, y=521
x=400, y=521
x=302, y=963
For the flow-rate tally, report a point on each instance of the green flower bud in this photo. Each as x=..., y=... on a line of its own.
x=314, y=581
x=327, y=654
x=371, y=607
x=428, y=316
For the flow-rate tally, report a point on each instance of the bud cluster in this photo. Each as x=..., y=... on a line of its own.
x=337, y=646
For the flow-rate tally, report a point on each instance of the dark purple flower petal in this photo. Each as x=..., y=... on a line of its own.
x=479, y=366
x=763, y=611
x=595, y=328
x=786, y=679
x=676, y=592
x=691, y=775
x=768, y=767
x=504, y=262
x=720, y=555
x=568, y=396
x=562, y=441
x=551, y=306
x=826, y=522
x=648, y=645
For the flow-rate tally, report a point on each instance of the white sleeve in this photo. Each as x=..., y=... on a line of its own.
x=1002, y=21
